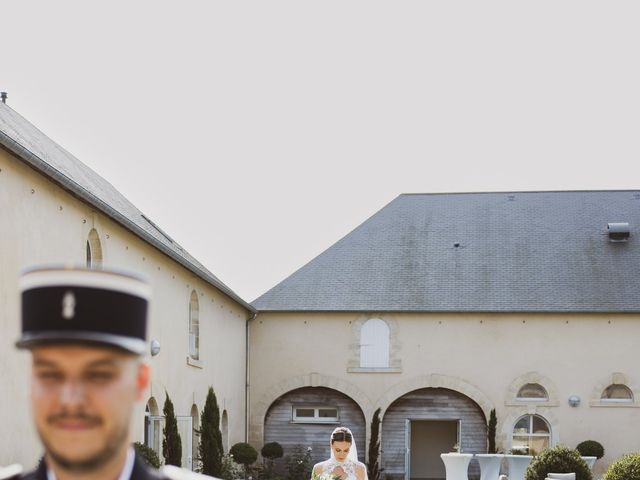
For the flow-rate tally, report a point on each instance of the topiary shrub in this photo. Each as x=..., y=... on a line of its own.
x=244, y=454
x=272, y=450
x=148, y=454
x=625, y=468
x=590, y=448
x=559, y=459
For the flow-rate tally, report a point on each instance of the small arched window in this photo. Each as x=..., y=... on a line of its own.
x=195, y=437
x=94, y=250
x=617, y=392
x=224, y=429
x=194, y=327
x=153, y=426
x=531, y=434
x=374, y=344
x=532, y=392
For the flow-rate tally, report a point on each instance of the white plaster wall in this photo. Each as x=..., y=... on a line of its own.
x=480, y=355
x=42, y=223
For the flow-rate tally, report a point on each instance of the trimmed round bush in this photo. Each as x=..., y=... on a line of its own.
x=243, y=453
x=626, y=467
x=272, y=450
x=148, y=454
x=590, y=448
x=559, y=459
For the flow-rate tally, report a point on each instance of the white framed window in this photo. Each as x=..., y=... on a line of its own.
x=532, y=392
x=531, y=433
x=374, y=344
x=617, y=393
x=153, y=431
x=315, y=414
x=194, y=327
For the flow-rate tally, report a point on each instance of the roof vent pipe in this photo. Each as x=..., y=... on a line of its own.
x=618, y=232
x=3, y=96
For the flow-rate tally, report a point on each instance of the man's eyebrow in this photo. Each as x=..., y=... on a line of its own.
x=103, y=362
x=41, y=362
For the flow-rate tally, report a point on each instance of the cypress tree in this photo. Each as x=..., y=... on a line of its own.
x=171, y=443
x=210, y=447
x=491, y=431
x=373, y=466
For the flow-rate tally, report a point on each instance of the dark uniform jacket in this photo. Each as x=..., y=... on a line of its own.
x=141, y=471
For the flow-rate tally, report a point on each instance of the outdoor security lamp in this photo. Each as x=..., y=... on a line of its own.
x=155, y=347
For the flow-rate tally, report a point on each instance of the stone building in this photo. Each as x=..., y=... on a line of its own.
x=54, y=209
x=440, y=308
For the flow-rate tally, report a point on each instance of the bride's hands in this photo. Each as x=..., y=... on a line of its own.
x=339, y=472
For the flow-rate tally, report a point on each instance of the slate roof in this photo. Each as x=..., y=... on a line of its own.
x=24, y=140
x=517, y=252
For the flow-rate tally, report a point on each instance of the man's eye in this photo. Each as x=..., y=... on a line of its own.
x=100, y=376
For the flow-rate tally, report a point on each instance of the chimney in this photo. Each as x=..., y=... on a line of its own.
x=3, y=96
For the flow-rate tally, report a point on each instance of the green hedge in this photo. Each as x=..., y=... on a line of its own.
x=625, y=468
x=559, y=459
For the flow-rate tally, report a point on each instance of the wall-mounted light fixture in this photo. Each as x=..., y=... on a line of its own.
x=155, y=347
x=574, y=400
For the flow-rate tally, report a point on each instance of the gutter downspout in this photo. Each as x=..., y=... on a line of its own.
x=246, y=378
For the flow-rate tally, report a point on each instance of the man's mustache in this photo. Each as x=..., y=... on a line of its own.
x=82, y=417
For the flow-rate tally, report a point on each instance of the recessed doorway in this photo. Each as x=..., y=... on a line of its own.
x=428, y=439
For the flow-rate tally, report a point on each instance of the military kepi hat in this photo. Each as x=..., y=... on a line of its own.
x=79, y=305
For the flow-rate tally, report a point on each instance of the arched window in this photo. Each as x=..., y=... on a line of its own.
x=374, y=344
x=153, y=426
x=532, y=392
x=532, y=434
x=617, y=392
x=224, y=429
x=94, y=250
x=194, y=327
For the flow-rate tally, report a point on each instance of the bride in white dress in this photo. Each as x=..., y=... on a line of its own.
x=343, y=464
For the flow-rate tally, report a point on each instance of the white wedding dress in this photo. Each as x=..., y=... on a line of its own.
x=349, y=465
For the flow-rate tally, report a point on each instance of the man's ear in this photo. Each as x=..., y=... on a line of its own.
x=143, y=379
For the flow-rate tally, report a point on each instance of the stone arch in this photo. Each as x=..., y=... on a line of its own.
x=616, y=378
x=430, y=419
x=306, y=416
x=436, y=381
x=532, y=377
x=152, y=404
x=94, y=249
x=265, y=401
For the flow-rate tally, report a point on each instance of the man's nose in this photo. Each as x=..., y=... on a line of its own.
x=72, y=393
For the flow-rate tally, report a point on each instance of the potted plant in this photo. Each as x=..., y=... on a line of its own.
x=590, y=451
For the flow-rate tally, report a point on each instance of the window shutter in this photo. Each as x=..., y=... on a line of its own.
x=374, y=344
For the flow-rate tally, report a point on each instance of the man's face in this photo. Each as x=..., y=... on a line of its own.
x=82, y=399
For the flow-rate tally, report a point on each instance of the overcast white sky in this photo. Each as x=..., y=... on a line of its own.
x=258, y=133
